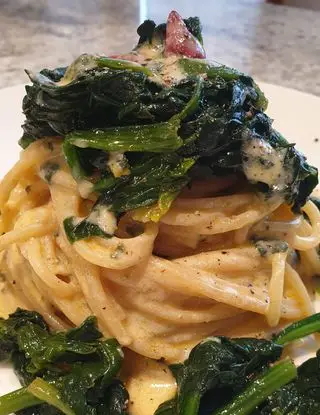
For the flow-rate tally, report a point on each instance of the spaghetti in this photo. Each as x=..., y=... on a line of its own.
x=159, y=292
x=154, y=194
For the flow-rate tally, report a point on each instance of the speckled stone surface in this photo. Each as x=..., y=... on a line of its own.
x=276, y=44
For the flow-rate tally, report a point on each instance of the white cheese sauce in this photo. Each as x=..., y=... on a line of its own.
x=102, y=217
x=263, y=163
x=167, y=70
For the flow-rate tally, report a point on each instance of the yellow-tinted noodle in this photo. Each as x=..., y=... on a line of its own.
x=213, y=280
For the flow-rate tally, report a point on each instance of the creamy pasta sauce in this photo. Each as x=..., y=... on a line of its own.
x=149, y=383
x=263, y=163
x=105, y=219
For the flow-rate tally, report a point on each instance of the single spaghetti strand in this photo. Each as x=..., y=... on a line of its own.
x=227, y=260
x=304, y=243
x=295, y=281
x=276, y=288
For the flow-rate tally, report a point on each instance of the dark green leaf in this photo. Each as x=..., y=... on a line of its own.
x=221, y=366
x=194, y=26
x=257, y=391
x=18, y=400
x=220, y=369
x=9, y=327
x=154, y=138
x=298, y=398
x=145, y=31
x=76, y=231
x=100, y=105
x=75, y=368
x=149, y=180
x=72, y=156
x=86, y=332
x=115, y=401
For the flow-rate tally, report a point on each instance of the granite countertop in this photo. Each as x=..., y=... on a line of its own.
x=276, y=44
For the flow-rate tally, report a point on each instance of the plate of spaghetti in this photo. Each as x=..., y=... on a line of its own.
x=159, y=237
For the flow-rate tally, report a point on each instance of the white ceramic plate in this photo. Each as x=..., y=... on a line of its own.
x=296, y=115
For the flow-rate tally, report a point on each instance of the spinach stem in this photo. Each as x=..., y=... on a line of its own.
x=17, y=400
x=73, y=160
x=299, y=330
x=48, y=393
x=194, y=101
x=190, y=405
x=122, y=64
x=212, y=69
x=262, y=387
x=156, y=138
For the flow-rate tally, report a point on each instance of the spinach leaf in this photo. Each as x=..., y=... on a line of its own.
x=155, y=212
x=214, y=70
x=10, y=327
x=81, y=230
x=259, y=389
x=96, y=98
x=217, y=375
x=166, y=175
x=154, y=138
x=299, y=330
x=104, y=62
x=221, y=366
x=74, y=371
x=299, y=397
x=115, y=400
x=148, y=192
x=214, y=115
